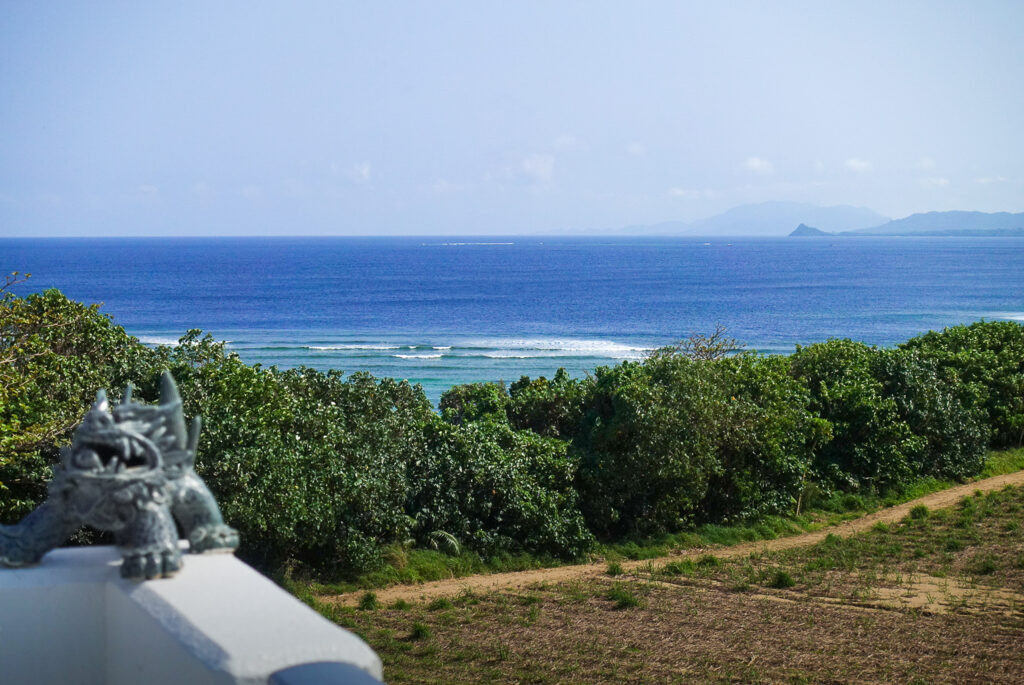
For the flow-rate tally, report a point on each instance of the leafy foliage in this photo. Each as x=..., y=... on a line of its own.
x=988, y=355
x=54, y=355
x=871, y=446
x=948, y=416
x=474, y=401
x=496, y=489
x=551, y=408
x=330, y=471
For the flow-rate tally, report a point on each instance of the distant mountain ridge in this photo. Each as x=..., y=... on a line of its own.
x=954, y=223
x=767, y=219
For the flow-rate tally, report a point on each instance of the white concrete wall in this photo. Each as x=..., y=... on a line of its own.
x=72, y=619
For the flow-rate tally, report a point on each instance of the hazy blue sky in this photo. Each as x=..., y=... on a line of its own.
x=218, y=118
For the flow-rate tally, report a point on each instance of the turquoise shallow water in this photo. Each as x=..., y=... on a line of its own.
x=441, y=311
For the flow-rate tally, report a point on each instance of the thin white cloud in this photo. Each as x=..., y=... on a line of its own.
x=819, y=167
x=359, y=172
x=636, y=149
x=985, y=180
x=926, y=164
x=149, y=194
x=443, y=186
x=860, y=166
x=761, y=167
x=538, y=167
x=934, y=182
x=568, y=143
x=692, y=193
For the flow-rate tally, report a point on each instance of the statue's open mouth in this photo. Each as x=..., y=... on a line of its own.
x=116, y=453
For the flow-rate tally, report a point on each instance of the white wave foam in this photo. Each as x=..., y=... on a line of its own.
x=550, y=347
x=442, y=347
x=418, y=356
x=514, y=355
x=359, y=346
x=158, y=340
x=1012, y=316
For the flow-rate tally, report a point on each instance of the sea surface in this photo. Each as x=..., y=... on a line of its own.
x=443, y=311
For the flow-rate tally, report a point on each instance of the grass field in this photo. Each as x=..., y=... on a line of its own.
x=937, y=597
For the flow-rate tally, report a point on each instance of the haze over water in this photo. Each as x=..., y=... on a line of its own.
x=442, y=311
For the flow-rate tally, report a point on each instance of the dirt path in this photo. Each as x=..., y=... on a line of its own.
x=522, y=579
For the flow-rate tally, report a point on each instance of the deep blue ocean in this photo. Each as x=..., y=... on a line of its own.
x=441, y=311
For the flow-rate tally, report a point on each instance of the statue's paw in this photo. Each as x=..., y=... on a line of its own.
x=15, y=558
x=13, y=554
x=152, y=563
x=220, y=537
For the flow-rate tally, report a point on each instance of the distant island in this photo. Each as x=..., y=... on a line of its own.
x=951, y=224
x=765, y=219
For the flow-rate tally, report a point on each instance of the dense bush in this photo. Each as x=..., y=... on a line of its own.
x=872, y=447
x=308, y=466
x=553, y=408
x=496, y=489
x=311, y=467
x=647, y=445
x=766, y=451
x=326, y=469
x=947, y=416
x=988, y=355
x=474, y=401
x=715, y=439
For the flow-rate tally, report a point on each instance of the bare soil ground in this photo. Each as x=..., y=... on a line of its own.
x=524, y=579
x=933, y=596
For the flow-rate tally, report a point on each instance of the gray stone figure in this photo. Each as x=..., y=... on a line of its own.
x=129, y=470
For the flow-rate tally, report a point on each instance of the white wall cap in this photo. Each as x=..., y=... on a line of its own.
x=217, y=613
x=226, y=613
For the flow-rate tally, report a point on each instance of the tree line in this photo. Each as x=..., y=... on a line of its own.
x=325, y=469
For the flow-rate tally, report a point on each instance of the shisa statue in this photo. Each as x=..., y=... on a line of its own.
x=130, y=471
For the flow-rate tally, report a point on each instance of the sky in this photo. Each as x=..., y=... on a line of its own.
x=386, y=118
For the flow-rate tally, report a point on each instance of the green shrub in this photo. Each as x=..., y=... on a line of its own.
x=647, y=445
x=308, y=466
x=496, y=489
x=781, y=580
x=989, y=356
x=550, y=408
x=368, y=602
x=330, y=471
x=678, y=568
x=767, y=443
x=871, y=447
x=948, y=416
x=420, y=631
x=474, y=401
x=623, y=597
